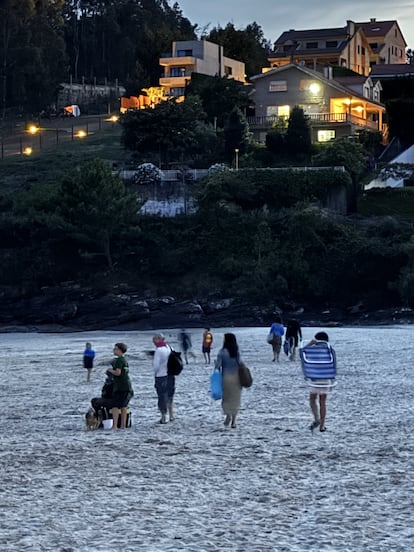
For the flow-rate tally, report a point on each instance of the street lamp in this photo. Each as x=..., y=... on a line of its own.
x=236, y=151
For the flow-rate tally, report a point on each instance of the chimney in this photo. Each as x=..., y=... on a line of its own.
x=327, y=72
x=350, y=25
x=373, y=19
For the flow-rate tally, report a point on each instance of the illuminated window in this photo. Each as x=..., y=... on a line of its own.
x=326, y=135
x=278, y=110
x=278, y=86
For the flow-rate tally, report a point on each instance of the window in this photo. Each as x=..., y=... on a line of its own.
x=278, y=86
x=228, y=70
x=363, y=51
x=331, y=43
x=311, y=45
x=374, y=45
x=278, y=110
x=359, y=49
x=326, y=135
x=178, y=72
x=184, y=53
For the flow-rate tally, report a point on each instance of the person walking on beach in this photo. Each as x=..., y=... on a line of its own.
x=186, y=345
x=164, y=383
x=122, y=388
x=275, y=337
x=320, y=387
x=207, y=343
x=292, y=336
x=228, y=363
x=88, y=356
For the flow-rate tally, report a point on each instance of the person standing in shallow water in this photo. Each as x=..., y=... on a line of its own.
x=88, y=356
x=228, y=363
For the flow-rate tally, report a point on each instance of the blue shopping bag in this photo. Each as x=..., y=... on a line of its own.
x=216, y=385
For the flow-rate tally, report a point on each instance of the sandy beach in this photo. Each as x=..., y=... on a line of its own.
x=270, y=485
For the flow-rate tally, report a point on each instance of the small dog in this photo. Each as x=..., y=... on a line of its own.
x=93, y=421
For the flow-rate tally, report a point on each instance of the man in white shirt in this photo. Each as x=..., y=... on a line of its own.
x=162, y=352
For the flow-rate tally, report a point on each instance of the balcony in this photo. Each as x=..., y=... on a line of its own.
x=316, y=120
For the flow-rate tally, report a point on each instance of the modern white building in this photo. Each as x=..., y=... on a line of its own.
x=196, y=56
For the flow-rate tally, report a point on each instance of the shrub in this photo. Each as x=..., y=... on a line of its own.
x=147, y=173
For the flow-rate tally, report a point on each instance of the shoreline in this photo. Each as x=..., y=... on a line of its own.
x=375, y=319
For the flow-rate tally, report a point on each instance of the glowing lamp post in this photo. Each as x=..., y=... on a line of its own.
x=236, y=164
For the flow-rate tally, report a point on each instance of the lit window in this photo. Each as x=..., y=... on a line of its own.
x=326, y=135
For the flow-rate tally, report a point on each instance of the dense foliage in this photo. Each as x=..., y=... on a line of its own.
x=258, y=234
x=44, y=43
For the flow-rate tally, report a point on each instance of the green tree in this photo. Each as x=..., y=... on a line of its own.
x=236, y=133
x=170, y=129
x=247, y=45
x=32, y=53
x=97, y=208
x=123, y=39
x=298, y=134
x=218, y=95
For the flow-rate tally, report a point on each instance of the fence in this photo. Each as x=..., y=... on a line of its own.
x=47, y=134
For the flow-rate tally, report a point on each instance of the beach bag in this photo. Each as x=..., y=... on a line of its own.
x=269, y=338
x=175, y=364
x=216, y=385
x=318, y=361
x=245, y=376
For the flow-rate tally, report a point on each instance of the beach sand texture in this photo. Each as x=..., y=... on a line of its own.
x=270, y=485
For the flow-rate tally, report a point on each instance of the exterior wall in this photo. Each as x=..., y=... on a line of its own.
x=333, y=112
x=393, y=50
x=86, y=94
x=291, y=87
x=356, y=54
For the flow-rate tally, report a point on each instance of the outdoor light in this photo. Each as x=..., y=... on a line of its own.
x=33, y=129
x=236, y=151
x=27, y=151
x=81, y=134
x=314, y=88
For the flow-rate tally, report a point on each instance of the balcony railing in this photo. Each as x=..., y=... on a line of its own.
x=315, y=118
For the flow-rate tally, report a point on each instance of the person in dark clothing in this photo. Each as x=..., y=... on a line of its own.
x=292, y=336
x=185, y=343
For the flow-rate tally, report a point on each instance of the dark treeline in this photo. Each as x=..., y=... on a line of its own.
x=46, y=42
x=255, y=236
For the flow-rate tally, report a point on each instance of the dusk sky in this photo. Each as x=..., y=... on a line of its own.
x=274, y=16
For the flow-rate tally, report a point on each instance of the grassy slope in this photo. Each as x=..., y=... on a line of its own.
x=19, y=171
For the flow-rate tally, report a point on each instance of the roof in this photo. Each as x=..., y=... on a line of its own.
x=392, y=70
x=312, y=34
x=376, y=28
x=315, y=75
x=351, y=80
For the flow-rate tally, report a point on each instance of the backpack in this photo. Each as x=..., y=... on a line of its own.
x=175, y=363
